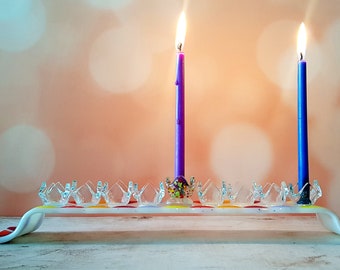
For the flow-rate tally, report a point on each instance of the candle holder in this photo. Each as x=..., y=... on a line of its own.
x=273, y=194
x=148, y=195
x=305, y=195
x=56, y=194
x=223, y=200
x=210, y=194
x=180, y=190
x=119, y=194
x=315, y=192
x=270, y=194
x=88, y=195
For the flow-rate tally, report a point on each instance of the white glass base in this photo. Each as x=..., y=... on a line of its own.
x=32, y=219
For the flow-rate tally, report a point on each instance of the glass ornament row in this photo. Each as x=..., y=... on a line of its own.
x=213, y=194
x=272, y=194
x=87, y=195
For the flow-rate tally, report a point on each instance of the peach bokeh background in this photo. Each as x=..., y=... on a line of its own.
x=87, y=93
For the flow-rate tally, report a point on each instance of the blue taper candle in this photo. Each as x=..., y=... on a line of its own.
x=303, y=170
x=303, y=167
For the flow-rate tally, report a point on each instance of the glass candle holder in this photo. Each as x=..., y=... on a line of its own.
x=210, y=194
x=55, y=194
x=148, y=195
x=269, y=195
x=180, y=190
x=89, y=195
x=315, y=192
x=118, y=194
x=239, y=195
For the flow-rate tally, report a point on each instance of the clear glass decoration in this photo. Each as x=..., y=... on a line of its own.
x=180, y=190
x=270, y=194
x=231, y=194
x=239, y=195
x=148, y=195
x=55, y=194
x=258, y=193
x=89, y=195
x=42, y=193
x=293, y=194
x=315, y=192
x=210, y=194
x=119, y=194
x=283, y=191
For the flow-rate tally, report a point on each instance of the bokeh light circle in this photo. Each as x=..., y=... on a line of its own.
x=241, y=152
x=26, y=158
x=22, y=23
x=11, y=10
x=276, y=52
x=119, y=62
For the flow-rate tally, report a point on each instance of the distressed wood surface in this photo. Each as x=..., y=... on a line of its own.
x=161, y=242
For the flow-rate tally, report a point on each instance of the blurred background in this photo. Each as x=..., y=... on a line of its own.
x=87, y=93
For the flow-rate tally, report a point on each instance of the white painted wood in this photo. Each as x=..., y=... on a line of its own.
x=177, y=242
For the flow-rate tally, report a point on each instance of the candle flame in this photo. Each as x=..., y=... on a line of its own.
x=181, y=29
x=302, y=41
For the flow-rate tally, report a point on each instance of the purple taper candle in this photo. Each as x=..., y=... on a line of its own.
x=180, y=100
x=303, y=168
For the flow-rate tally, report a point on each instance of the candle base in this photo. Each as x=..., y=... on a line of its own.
x=32, y=219
x=178, y=202
x=305, y=196
x=180, y=190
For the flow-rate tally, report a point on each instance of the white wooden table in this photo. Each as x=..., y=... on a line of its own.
x=163, y=242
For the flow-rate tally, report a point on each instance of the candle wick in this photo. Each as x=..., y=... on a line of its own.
x=179, y=46
x=301, y=56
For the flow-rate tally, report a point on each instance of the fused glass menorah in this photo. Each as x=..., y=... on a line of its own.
x=210, y=193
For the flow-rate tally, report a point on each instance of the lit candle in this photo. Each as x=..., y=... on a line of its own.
x=180, y=87
x=303, y=171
